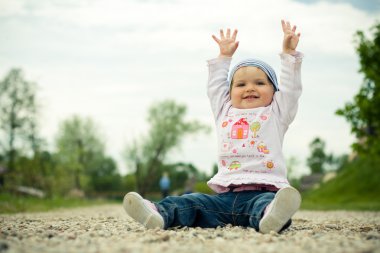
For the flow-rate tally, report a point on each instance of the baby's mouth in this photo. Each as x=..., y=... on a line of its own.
x=251, y=97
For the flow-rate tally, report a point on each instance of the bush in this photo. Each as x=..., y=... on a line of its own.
x=129, y=183
x=202, y=187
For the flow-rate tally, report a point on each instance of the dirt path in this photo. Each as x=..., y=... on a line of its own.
x=109, y=229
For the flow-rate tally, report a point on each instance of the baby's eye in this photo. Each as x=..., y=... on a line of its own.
x=240, y=84
x=260, y=83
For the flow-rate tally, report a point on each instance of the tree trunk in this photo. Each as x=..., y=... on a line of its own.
x=140, y=179
x=12, y=152
x=77, y=179
x=145, y=183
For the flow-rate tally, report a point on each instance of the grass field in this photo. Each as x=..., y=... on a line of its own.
x=356, y=187
x=14, y=204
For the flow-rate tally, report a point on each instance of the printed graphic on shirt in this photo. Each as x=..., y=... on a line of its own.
x=226, y=146
x=255, y=127
x=243, y=141
x=234, y=165
x=269, y=164
x=262, y=148
x=240, y=129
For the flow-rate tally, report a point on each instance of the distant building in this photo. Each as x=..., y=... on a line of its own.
x=314, y=180
x=310, y=181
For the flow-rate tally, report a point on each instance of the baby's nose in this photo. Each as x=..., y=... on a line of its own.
x=250, y=87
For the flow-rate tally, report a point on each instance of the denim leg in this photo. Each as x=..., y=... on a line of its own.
x=251, y=206
x=197, y=210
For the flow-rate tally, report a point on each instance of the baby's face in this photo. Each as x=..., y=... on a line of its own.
x=251, y=88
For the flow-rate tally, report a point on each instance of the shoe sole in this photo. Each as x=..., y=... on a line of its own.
x=286, y=203
x=134, y=206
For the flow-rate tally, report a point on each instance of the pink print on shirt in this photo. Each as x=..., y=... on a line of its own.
x=240, y=129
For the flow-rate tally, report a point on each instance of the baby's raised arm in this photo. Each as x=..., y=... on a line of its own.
x=291, y=39
x=227, y=44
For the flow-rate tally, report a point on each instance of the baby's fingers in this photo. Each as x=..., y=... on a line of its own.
x=216, y=39
x=234, y=34
x=288, y=27
x=283, y=25
x=222, y=34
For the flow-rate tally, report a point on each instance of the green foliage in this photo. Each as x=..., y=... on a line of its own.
x=129, y=182
x=12, y=204
x=320, y=162
x=79, y=161
x=103, y=175
x=318, y=159
x=363, y=113
x=18, y=117
x=202, y=187
x=357, y=186
x=214, y=170
x=291, y=165
x=79, y=146
x=168, y=127
x=37, y=171
x=179, y=174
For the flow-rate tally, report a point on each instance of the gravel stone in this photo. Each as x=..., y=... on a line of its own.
x=108, y=229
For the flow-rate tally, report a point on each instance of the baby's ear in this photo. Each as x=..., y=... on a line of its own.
x=273, y=87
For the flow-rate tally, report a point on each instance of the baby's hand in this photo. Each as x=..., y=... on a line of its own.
x=227, y=44
x=291, y=39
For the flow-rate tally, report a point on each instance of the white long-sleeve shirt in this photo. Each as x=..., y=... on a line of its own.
x=250, y=140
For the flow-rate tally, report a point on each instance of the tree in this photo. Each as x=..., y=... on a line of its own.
x=363, y=113
x=18, y=116
x=291, y=165
x=103, y=175
x=78, y=145
x=168, y=127
x=255, y=127
x=214, y=170
x=318, y=159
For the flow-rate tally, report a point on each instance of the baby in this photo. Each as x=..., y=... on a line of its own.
x=252, y=113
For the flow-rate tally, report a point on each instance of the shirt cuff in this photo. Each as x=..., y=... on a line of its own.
x=219, y=60
x=292, y=58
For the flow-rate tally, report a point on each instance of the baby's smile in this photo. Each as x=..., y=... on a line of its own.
x=251, y=97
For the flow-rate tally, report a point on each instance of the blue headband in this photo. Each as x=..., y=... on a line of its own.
x=268, y=70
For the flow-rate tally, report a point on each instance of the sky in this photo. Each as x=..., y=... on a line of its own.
x=111, y=59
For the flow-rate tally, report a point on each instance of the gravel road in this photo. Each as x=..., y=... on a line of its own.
x=108, y=229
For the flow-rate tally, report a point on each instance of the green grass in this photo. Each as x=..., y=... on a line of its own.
x=15, y=204
x=356, y=187
x=354, y=206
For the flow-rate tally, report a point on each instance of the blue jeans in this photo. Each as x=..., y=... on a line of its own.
x=244, y=208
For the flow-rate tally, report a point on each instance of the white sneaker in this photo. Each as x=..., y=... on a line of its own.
x=140, y=211
x=284, y=205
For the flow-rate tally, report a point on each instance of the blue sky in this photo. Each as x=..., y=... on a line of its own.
x=110, y=60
